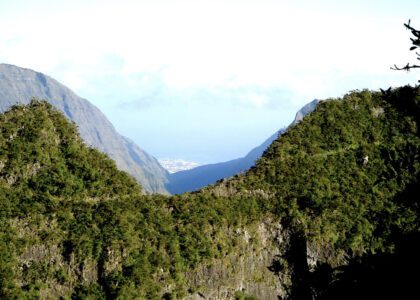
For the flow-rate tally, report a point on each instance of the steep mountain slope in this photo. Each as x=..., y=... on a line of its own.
x=344, y=182
x=51, y=186
x=196, y=178
x=18, y=85
x=72, y=226
x=331, y=201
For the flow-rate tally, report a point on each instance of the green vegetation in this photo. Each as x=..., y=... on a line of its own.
x=243, y=296
x=75, y=227
x=72, y=221
x=320, y=182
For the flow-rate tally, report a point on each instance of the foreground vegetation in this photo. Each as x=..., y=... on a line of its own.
x=73, y=226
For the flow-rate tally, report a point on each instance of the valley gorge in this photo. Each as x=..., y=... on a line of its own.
x=311, y=220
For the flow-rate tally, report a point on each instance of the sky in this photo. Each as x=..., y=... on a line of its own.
x=207, y=81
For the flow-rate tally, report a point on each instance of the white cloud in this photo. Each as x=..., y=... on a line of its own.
x=256, y=56
x=201, y=42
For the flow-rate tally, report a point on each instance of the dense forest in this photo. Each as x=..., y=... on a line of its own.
x=336, y=194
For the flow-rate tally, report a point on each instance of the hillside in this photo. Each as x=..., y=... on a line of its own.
x=74, y=226
x=332, y=200
x=201, y=176
x=19, y=86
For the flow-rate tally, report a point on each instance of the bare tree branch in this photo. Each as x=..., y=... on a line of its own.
x=416, y=44
x=407, y=67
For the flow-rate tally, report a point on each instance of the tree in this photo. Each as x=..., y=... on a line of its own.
x=416, y=44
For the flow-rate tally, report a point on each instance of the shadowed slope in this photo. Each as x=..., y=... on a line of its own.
x=196, y=178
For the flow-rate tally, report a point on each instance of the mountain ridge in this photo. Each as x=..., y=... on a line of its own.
x=20, y=85
x=198, y=177
x=311, y=220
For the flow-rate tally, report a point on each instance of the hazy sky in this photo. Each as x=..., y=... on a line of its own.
x=208, y=80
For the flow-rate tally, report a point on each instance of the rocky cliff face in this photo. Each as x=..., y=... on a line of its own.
x=272, y=261
x=249, y=271
x=19, y=85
